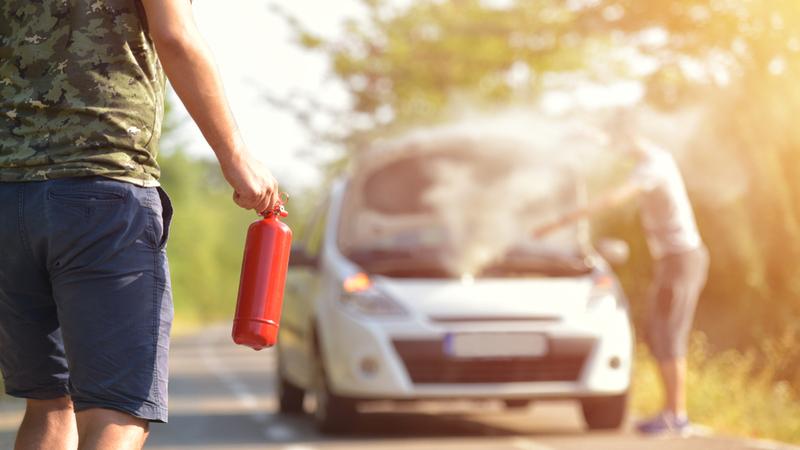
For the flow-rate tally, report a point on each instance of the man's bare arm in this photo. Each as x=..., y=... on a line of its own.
x=190, y=67
x=611, y=200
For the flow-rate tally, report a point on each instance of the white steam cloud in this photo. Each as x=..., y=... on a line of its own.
x=513, y=180
x=524, y=159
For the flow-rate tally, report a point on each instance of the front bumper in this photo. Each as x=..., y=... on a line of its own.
x=403, y=358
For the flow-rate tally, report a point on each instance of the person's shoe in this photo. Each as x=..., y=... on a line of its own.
x=682, y=426
x=665, y=423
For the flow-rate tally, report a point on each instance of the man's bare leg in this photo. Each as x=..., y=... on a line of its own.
x=102, y=429
x=673, y=375
x=48, y=424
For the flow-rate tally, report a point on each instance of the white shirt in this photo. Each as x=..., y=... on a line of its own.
x=667, y=215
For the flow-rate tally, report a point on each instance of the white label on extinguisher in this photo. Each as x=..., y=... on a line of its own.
x=495, y=345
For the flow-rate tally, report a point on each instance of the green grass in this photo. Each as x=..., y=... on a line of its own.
x=732, y=392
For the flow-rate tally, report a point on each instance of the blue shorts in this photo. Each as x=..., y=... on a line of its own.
x=85, y=297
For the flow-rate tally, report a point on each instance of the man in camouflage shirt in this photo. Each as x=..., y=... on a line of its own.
x=85, y=299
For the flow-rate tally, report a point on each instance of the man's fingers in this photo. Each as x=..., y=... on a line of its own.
x=271, y=200
x=236, y=199
x=270, y=194
x=244, y=201
x=276, y=196
x=241, y=201
x=264, y=205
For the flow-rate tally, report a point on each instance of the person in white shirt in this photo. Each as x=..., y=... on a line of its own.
x=680, y=266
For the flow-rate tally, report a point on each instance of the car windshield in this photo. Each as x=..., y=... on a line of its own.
x=416, y=217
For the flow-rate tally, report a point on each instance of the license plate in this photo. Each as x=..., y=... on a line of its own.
x=495, y=345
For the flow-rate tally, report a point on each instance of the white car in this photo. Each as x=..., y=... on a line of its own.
x=374, y=312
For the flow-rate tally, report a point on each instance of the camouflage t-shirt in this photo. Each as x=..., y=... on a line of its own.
x=81, y=91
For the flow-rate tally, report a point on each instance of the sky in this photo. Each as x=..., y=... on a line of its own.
x=255, y=54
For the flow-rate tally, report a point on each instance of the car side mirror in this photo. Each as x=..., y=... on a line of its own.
x=299, y=257
x=615, y=251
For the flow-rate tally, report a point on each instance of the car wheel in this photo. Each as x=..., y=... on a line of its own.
x=605, y=413
x=290, y=397
x=333, y=414
x=516, y=403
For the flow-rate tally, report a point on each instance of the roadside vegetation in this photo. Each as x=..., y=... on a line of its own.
x=732, y=392
x=206, y=241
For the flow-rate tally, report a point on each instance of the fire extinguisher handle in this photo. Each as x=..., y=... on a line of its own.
x=279, y=210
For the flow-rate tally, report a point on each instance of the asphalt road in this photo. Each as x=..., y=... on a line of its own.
x=221, y=398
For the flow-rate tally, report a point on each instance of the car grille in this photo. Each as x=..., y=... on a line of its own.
x=427, y=363
x=474, y=319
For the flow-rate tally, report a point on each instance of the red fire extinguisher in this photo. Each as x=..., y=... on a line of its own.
x=264, y=268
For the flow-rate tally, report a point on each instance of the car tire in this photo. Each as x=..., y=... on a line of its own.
x=290, y=397
x=605, y=413
x=333, y=414
x=516, y=403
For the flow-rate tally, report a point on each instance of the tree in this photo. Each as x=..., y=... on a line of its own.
x=406, y=66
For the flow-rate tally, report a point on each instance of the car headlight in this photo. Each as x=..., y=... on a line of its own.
x=373, y=303
x=603, y=300
x=362, y=296
x=605, y=304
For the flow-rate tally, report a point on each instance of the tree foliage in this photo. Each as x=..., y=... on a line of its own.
x=206, y=240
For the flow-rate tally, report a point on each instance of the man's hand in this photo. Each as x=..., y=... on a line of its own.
x=254, y=187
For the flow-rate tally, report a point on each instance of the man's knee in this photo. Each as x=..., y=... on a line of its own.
x=100, y=428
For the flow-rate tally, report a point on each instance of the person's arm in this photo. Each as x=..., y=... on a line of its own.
x=190, y=67
x=611, y=200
